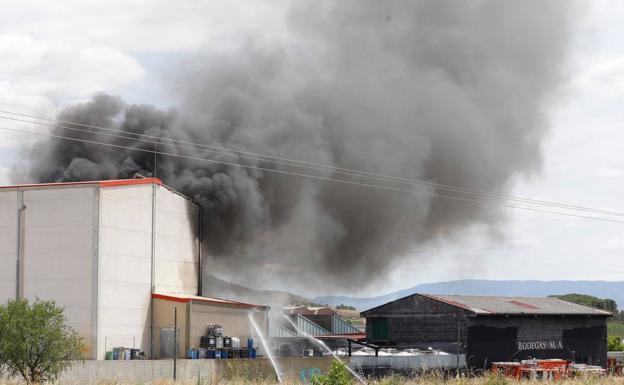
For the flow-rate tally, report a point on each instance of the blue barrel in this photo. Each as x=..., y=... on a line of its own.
x=253, y=352
x=217, y=354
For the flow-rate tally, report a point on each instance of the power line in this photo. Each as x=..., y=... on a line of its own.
x=302, y=164
x=307, y=175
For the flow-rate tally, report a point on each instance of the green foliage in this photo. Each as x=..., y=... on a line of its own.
x=35, y=343
x=588, y=300
x=344, y=307
x=614, y=344
x=338, y=375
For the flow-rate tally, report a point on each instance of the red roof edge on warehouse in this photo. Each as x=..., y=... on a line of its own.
x=101, y=183
x=185, y=298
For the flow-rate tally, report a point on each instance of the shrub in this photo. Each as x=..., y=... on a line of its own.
x=35, y=343
x=614, y=344
x=338, y=375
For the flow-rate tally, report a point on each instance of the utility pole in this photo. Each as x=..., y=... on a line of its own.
x=155, y=153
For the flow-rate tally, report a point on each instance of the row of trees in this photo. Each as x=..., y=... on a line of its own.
x=35, y=342
x=598, y=303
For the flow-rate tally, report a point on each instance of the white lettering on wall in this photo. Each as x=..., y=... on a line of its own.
x=540, y=345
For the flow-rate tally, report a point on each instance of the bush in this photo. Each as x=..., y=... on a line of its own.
x=614, y=344
x=338, y=375
x=35, y=343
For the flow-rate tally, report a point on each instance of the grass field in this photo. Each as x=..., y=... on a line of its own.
x=388, y=381
x=384, y=381
x=615, y=329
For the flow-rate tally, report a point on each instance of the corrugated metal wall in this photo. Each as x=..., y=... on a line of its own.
x=176, y=243
x=496, y=338
x=90, y=249
x=8, y=244
x=308, y=327
x=56, y=247
x=340, y=326
x=124, y=267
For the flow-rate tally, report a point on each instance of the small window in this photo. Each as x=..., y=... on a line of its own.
x=380, y=329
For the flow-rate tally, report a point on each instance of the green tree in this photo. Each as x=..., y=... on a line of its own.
x=588, y=300
x=614, y=344
x=338, y=375
x=35, y=342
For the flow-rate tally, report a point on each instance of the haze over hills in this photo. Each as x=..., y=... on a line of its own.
x=601, y=289
x=216, y=287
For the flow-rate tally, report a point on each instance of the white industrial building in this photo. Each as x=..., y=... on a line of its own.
x=101, y=250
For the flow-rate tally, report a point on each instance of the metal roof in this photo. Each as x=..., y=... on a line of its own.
x=101, y=183
x=183, y=298
x=484, y=305
x=306, y=310
x=348, y=336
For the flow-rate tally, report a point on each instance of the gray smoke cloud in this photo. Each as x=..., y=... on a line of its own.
x=444, y=91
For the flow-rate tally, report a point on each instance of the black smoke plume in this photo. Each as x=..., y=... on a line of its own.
x=452, y=92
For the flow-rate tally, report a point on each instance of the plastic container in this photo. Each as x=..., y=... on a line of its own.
x=108, y=356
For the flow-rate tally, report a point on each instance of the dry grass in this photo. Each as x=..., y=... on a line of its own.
x=394, y=380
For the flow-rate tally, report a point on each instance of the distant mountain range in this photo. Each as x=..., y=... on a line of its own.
x=601, y=289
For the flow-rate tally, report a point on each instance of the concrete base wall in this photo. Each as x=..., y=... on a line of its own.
x=90, y=372
x=422, y=362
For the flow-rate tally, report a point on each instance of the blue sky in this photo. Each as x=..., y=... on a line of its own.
x=53, y=57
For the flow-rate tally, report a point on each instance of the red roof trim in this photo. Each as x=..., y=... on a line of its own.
x=101, y=183
x=129, y=182
x=170, y=298
x=215, y=301
x=522, y=304
x=346, y=336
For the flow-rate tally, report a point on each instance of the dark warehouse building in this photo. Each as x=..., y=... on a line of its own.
x=491, y=329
